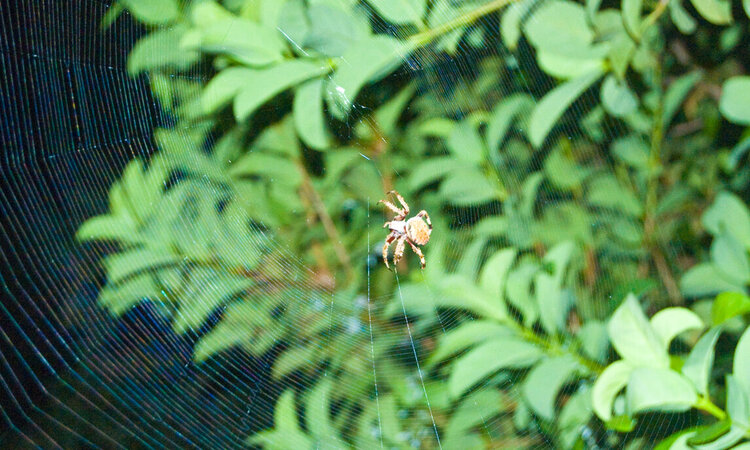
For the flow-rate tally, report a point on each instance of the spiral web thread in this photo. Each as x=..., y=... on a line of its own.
x=71, y=375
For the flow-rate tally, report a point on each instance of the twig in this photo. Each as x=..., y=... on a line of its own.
x=330, y=228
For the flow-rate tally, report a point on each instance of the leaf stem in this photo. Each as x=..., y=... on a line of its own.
x=425, y=37
x=553, y=346
x=705, y=404
x=330, y=228
x=655, y=14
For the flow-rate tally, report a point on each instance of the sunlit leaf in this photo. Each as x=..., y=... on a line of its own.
x=309, y=117
x=553, y=306
x=161, y=49
x=659, y=389
x=617, y=98
x=705, y=279
x=153, y=12
x=543, y=383
x=487, y=359
x=718, y=12
x=700, y=361
x=670, y=322
x=728, y=213
x=262, y=85
x=400, y=11
x=741, y=366
x=606, y=387
x=735, y=99
x=365, y=62
x=633, y=337
x=631, y=15
x=729, y=256
x=728, y=305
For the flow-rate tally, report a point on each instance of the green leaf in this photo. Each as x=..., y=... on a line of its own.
x=735, y=100
x=718, y=12
x=317, y=408
x=460, y=292
x=161, y=49
x=560, y=27
x=308, y=115
x=518, y=287
x=286, y=432
x=510, y=23
x=204, y=293
x=467, y=335
x=563, y=171
x=728, y=213
x=633, y=151
x=738, y=402
x=676, y=93
x=457, y=191
x=113, y=13
x=633, y=337
x=495, y=271
x=617, y=98
x=697, y=366
x=365, y=62
x=262, y=85
x=553, y=305
x=631, y=16
x=606, y=191
x=741, y=366
x=245, y=41
x=293, y=359
x=488, y=358
x=729, y=256
x=594, y=340
x=606, y=387
x=126, y=264
x=659, y=389
x=429, y=170
x=705, y=279
x=119, y=298
x=224, y=87
x=475, y=410
x=153, y=12
x=334, y=29
x=709, y=433
x=728, y=305
x=400, y=11
x=549, y=110
x=503, y=116
x=544, y=382
x=221, y=338
x=681, y=18
x=566, y=67
x=466, y=144
x=115, y=228
x=670, y=322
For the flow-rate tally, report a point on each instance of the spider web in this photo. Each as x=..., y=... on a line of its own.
x=71, y=375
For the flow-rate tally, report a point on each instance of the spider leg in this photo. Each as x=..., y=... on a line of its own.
x=401, y=200
x=400, y=214
x=418, y=252
x=399, y=253
x=423, y=214
x=387, y=244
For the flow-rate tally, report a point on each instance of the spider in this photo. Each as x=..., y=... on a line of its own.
x=416, y=231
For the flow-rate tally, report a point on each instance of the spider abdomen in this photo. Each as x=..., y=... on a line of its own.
x=418, y=231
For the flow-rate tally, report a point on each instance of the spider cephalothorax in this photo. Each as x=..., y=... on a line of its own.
x=414, y=231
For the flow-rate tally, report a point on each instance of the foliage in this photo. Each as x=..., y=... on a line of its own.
x=592, y=147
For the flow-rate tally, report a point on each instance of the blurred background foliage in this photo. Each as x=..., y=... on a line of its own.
x=584, y=164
